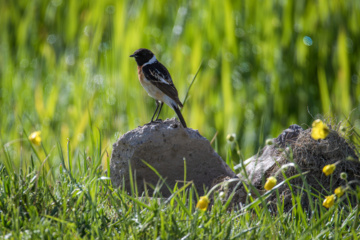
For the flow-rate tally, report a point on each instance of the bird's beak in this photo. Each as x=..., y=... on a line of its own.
x=133, y=55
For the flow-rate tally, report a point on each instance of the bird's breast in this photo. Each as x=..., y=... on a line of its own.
x=140, y=74
x=150, y=88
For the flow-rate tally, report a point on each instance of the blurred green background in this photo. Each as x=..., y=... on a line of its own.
x=65, y=67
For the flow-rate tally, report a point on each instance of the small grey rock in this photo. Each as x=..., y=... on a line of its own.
x=258, y=165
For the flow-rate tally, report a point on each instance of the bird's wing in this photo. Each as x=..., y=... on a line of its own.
x=158, y=75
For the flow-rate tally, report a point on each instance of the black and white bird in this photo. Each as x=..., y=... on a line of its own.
x=156, y=80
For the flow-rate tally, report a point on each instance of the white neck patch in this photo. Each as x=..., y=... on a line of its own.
x=151, y=61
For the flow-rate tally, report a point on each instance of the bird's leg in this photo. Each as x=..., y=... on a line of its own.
x=157, y=117
x=157, y=106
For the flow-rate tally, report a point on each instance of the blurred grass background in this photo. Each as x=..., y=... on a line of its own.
x=65, y=67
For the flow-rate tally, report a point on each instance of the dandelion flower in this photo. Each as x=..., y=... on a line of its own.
x=319, y=130
x=269, y=142
x=329, y=169
x=270, y=183
x=231, y=137
x=343, y=175
x=343, y=129
x=329, y=201
x=339, y=191
x=35, y=138
x=221, y=195
x=203, y=203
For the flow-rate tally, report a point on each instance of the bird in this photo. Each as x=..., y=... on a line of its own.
x=157, y=81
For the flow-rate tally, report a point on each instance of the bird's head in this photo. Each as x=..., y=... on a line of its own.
x=143, y=56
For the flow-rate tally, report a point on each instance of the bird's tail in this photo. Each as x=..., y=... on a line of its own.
x=178, y=113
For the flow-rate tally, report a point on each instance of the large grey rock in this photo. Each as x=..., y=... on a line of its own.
x=165, y=145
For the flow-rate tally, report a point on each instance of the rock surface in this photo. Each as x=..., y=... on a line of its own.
x=165, y=145
x=259, y=165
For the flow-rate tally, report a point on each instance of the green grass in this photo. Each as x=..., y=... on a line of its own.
x=65, y=70
x=81, y=203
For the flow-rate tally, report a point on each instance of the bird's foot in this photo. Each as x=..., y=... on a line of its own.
x=154, y=121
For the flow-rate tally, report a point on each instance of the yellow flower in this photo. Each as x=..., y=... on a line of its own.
x=319, y=130
x=203, y=203
x=329, y=169
x=329, y=201
x=270, y=183
x=339, y=191
x=35, y=138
